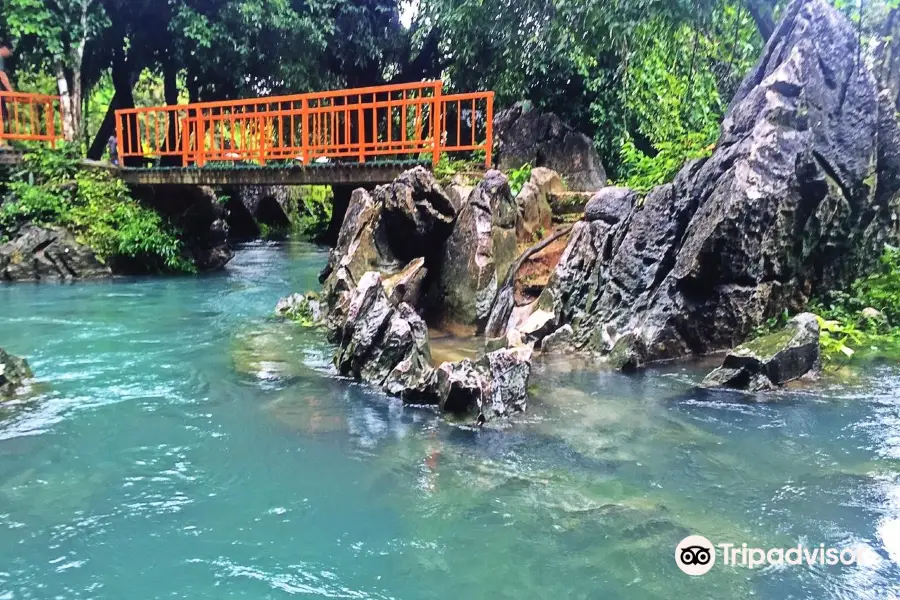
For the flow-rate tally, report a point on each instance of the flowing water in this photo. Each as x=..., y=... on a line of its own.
x=179, y=443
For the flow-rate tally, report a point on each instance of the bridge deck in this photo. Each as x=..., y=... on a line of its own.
x=317, y=174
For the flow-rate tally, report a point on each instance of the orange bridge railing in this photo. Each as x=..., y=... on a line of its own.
x=395, y=122
x=30, y=117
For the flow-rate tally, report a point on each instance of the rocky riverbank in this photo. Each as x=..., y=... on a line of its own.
x=800, y=197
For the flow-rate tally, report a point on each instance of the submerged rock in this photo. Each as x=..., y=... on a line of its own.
x=48, y=253
x=799, y=197
x=13, y=372
x=771, y=360
x=525, y=135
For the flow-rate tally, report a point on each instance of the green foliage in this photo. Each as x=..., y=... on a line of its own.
x=678, y=84
x=772, y=325
x=313, y=206
x=51, y=189
x=518, y=178
x=449, y=168
x=847, y=327
x=644, y=172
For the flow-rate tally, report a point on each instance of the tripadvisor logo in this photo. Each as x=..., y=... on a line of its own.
x=696, y=555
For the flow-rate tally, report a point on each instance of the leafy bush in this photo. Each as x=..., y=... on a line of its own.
x=50, y=188
x=645, y=172
x=518, y=178
x=848, y=323
x=311, y=206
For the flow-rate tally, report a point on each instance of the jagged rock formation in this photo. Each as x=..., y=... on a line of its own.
x=525, y=135
x=533, y=201
x=400, y=248
x=799, y=197
x=384, y=342
x=383, y=231
x=47, y=253
x=13, y=371
x=477, y=254
x=772, y=360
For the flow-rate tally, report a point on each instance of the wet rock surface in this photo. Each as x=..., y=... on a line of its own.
x=387, y=229
x=772, y=360
x=48, y=254
x=13, y=372
x=306, y=308
x=799, y=197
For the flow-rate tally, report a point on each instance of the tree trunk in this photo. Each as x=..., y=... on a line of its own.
x=107, y=127
x=123, y=82
x=170, y=85
x=70, y=99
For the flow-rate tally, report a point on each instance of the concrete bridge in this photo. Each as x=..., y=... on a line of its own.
x=362, y=136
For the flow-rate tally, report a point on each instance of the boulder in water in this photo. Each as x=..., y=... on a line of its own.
x=496, y=385
x=305, y=309
x=13, y=372
x=771, y=360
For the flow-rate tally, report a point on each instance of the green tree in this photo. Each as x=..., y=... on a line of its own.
x=53, y=36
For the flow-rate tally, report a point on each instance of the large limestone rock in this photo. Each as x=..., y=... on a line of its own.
x=533, y=201
x=417, y=212
x=799, y=197
x=388, y=229
x=47, y=253
x=383, y=342
x=13, y=371
x=375, y=338
x=525, y=135
x=477, y=255
x=771, y=360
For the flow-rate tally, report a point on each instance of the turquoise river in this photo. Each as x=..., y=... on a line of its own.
x=178, y=442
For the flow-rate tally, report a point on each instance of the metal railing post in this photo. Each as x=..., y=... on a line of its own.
x=120, y=138
x=261, y=125
x=201, y=140
x=185, y=141
x=361, y=118
x=489, y=134
x=437, y=130
x=304, y=128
